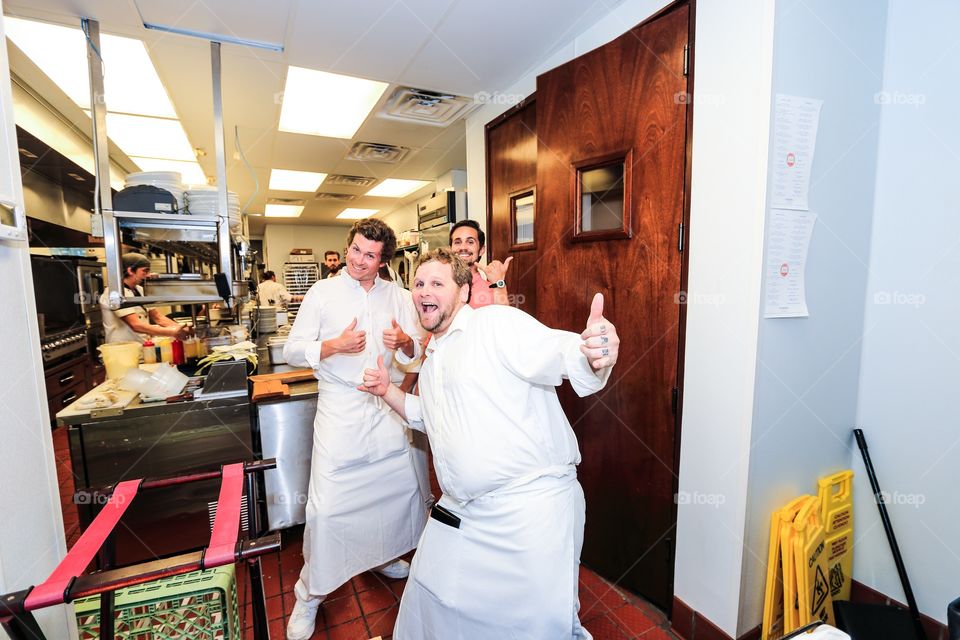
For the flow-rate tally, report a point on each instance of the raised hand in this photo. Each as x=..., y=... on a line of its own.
x=496, y=270
x=376, y=381
x=351, y=341
x=601, y=344
x=395, y=338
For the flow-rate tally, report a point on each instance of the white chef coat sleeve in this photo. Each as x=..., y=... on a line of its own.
x=537, y=353
x=303, y=343
x=414, y=411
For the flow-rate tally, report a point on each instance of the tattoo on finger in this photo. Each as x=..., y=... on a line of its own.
x=603, y=328
x=605, y=352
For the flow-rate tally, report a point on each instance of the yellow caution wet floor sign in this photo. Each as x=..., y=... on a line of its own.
x=813, y=589
x=780, y=605
x=836, y=507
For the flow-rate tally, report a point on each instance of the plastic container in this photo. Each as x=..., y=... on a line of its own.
x=119, y=357
x=177, y=347
x=149, y=352
x=191, y=349
x=142, y=382
x=170, y=379
x=202, y=604
x=166, y=349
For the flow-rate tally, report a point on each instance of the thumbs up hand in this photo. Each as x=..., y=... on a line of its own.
x=376, y=381
x=351, y=341
x=601, y=344
x=395, y=338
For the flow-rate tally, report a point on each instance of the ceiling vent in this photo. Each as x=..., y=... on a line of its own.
x=288, y=201
x=426, y=107
x=373, y=152
x=349, y=181
x=337, y=197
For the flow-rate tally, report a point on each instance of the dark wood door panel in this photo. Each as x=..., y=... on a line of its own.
x=512, y=167
x=624, y=96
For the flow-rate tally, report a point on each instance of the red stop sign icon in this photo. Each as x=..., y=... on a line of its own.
x=784, y=270
x=791, y=159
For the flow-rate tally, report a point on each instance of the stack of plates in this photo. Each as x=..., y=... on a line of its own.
x=169, y=180
x=202, y=201
x=267, y=320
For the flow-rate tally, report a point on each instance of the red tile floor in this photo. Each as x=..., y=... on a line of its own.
x=367, y=606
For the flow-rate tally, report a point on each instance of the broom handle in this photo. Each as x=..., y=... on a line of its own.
x=891, y=538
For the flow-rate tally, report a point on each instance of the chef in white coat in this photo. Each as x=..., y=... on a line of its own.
x=499, y=557
x=364, y=503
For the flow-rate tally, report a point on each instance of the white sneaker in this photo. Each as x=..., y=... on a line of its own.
x=396, y=569
x=303, y=619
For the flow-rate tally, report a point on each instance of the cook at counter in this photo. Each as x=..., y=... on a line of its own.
x=137, y=323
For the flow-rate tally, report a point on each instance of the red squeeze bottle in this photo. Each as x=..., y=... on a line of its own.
x=177, y=352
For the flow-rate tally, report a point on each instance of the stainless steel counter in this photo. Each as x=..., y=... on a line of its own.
x=285, y=430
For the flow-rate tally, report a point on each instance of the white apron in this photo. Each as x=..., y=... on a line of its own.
x=510, y=572
x=364, y=505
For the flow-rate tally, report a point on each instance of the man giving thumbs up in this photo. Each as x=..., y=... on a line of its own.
x=500, y=554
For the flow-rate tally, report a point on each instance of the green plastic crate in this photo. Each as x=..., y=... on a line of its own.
x=194, y=606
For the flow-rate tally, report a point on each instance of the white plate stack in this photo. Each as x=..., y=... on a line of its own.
x=202, y=201
x=267, y=320
x=172, y=181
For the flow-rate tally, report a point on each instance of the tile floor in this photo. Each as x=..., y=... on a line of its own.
x=367, y=606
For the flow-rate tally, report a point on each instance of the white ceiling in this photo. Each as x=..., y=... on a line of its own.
x=456, y=46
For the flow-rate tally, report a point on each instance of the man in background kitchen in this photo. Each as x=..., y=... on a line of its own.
x=488, y=286
x=134, y=324
x=364, y=502
x=271, y=293
x=331, y=260
x=499, y=557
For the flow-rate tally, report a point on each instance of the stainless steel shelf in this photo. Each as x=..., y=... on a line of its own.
x=167, y=218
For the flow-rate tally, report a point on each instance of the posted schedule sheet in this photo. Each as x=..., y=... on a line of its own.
x=795, y=125
x=787, y=243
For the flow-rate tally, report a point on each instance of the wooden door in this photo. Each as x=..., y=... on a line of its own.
x=511, y=175
x=625, y=101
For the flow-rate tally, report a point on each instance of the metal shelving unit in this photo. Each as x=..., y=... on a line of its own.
x=153, y=227
x=298, y=277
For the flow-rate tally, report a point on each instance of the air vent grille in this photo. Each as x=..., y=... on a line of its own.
x=349, y=181
x=426, y=107
x=338, y=197
x=374, y=152
x=287, y=201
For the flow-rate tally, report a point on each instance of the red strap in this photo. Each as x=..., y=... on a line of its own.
x=226, y=526
x=52, y=590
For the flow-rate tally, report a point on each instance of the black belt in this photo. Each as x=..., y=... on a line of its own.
x=444, y=516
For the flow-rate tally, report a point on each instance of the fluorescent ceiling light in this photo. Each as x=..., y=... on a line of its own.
x=283, y=210
x=131, y=83
x=286, y=180
x=395, y=188
x=146, y=137
x=191, y=171
x=326, y=104
x=356, y=214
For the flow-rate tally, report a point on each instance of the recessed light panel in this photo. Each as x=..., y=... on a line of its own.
x=326, y=104
x=396, y=188
x=283, y=211
x=286, y=180
x=356, y=214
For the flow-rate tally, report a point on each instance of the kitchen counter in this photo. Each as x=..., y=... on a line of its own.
x=156, y=440
x=284, y=429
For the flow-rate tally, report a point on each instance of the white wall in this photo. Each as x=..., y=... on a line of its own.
x=279, y=239
x=31, y=538
x=808, y=368
x=732, y=76
x=911, y=352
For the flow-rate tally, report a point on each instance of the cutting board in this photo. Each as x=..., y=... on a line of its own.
x=77, y=408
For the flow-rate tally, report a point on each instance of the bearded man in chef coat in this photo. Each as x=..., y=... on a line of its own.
x=499, y=557
x=364, y=505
